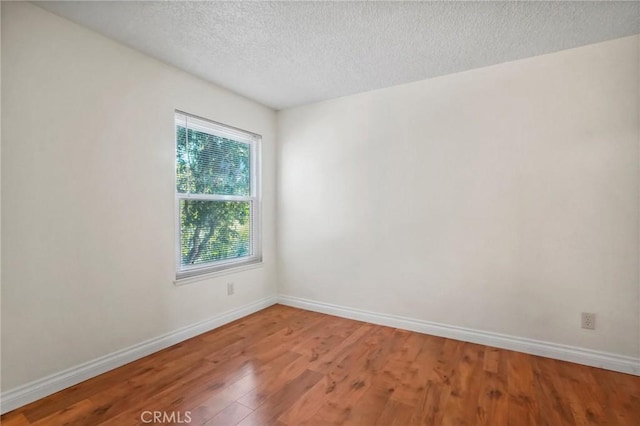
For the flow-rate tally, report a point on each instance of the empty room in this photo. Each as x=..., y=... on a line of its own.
x=263, y=213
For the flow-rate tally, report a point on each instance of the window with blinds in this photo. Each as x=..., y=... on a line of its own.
x=217, y=196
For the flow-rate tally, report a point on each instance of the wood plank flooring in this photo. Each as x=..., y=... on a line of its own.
x=285, y=366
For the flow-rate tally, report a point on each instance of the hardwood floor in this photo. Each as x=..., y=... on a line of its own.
x=285, y=366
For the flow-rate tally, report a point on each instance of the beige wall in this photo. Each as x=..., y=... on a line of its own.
x=502, y=199
x=88, y=196
x=0, y=191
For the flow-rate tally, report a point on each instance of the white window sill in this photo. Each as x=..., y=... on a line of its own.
x=208, y=275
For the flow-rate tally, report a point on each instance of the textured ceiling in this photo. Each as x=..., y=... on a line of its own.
x=284, y=53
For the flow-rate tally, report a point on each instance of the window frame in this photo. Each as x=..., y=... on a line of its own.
x=254, y=140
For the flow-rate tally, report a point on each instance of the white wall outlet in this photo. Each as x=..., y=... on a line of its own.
x=230, y=288
x=588, y=321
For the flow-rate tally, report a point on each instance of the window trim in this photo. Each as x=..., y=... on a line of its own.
x=197, y=272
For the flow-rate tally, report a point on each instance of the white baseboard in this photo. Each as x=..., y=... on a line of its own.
x=37, y=389
x=41, y=388
x=608, y=361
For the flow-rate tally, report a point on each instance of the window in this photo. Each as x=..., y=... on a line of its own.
x=217, y=196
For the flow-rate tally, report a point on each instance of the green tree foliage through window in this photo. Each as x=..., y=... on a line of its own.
x=206, y=166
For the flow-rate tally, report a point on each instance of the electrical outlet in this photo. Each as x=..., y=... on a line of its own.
x=230, y=289
x=588, y=321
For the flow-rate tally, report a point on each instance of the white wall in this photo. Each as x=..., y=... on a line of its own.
x=88, y=196
x=0, y=189
x=502, y=199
